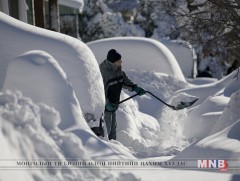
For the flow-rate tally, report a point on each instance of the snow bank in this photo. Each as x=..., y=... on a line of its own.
x=75, y=58
x=145, y=125
x=216, y=122
x=29, y=131
x=139, y=53
x=38, y=75
x=205, y=90
x=230, y=113
x=24, y=135
x=202, y=120
x=222, y=145
x=136, y=130
x=201, y=81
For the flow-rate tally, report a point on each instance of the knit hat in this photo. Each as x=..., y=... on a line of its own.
x=113, y=56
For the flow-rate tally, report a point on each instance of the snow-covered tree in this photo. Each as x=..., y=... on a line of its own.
x=122, y=5
x=212, y=25
x=126, y=7
x=155, y=19
x=99, y=21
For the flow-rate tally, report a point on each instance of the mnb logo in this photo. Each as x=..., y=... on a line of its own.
x=213, y=164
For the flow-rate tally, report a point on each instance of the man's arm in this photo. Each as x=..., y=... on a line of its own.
x=127, y=83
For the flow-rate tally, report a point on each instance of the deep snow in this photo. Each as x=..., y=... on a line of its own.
x=55, y=79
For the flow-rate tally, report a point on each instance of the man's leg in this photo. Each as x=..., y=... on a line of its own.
x=113, y=133
x=108, y=121
x=111, y=124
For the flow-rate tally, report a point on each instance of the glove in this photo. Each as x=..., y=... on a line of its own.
x=140, y=91
x=111, y=107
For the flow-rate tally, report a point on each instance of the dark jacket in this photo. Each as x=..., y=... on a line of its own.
x=114, y=80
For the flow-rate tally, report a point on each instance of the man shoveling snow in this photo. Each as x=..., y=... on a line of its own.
x=114, y=79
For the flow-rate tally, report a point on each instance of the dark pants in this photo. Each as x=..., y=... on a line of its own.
x=111, y=124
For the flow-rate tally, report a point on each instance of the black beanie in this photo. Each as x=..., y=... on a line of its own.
x=113, y=56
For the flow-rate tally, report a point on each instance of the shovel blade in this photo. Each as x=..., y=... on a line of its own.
x=182, y=105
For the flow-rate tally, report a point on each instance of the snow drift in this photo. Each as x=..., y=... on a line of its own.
x=73, y=56
x=38, y=76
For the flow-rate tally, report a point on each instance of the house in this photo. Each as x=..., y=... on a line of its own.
x=36, y=12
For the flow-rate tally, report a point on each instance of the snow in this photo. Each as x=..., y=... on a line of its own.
x=44, y=70
x=48, y=82
x=77, y=60
x=202, y=80
x=184, y=54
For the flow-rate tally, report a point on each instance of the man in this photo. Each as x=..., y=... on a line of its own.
x=114, y=80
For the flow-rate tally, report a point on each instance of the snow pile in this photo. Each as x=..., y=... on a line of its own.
x=74, y=57
x=201, y=80
x=203, y=91
x=48, y=83
x=30, y=131
x=230, y=113
x=213, y=99
x=136, y=130
x=215, y=123
x=145, y=125
x=223, y=144
x=24, y=135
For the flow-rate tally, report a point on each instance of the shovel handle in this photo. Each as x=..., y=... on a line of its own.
x=173, y=107
x=128, y=98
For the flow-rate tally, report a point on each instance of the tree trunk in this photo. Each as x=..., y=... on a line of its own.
x=39, y=13
x=54, y=22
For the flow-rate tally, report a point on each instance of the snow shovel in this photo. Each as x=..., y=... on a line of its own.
x=180, y=105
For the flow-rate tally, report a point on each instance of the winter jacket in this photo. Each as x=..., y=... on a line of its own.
x=114, y=80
